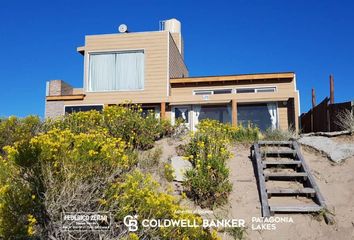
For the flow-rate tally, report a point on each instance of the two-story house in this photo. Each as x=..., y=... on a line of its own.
x=148, y=68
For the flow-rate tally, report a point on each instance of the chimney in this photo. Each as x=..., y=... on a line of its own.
x=331, y=89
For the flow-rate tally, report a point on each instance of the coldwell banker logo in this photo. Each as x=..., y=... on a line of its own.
x=131, y=222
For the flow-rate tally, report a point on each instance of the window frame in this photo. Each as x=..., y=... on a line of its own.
x=80, y=105
x=211, y=91
x=87, y=68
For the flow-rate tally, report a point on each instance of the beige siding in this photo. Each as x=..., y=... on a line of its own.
x=177, y=67
x=177, y=37
x=284, y=91
x=283, y=116
x=155, y=49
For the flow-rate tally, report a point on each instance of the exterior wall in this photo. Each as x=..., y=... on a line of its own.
x=156, y=72
x=59, y=88
x=54, y=109
x=283, y=116
x=177, y=66
x=285, y=90
x=177, y=37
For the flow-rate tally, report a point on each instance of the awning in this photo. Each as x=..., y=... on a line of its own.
x=200, y=102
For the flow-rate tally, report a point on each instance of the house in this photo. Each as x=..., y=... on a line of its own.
x=148, y=68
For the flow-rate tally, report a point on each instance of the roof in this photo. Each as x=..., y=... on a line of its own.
x=239, y=77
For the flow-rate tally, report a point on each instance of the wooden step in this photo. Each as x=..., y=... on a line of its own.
x=272, y=143
x=290, y=191
x=295, y=209
x=279, y=152
x=281, y=162
x=280, y=175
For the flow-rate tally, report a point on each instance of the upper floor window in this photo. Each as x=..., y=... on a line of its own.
x=255, y=90
x=115, y=71
x=212, y=91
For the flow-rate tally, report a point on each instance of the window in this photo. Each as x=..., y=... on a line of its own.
x=220, y=113
x=212, y=91
x=116, y=71
x=263, y=116
x=223, y=91
x=182, y=113
x=266, y=89
x=200, y=92
x=257, y=90
x=245, y=90
x=71, y=109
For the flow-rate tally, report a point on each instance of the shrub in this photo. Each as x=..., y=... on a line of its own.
x=169, y=172
x=207, y=183
x=15, y=129
x=54, y=172
x=124, y=121
x=77, y=122
x=231, y=133
x=279, y=134
x=345, y=120
x=138, y=194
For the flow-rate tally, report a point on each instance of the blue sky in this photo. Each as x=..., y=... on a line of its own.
x=38, y=42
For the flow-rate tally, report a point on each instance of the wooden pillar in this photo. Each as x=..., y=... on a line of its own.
x=234, y=112
x=331, y=89
x=163, y=110
x=313, y=98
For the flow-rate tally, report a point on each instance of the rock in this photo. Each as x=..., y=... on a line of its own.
x=336, y=152
x=179, y=166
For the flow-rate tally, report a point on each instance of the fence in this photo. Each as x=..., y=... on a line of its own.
x=323, y=117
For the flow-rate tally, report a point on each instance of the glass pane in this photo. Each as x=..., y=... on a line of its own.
x=245, y=90
x=222, y=91
x=220, y=113
x=202, y=92
x=71, y=109
x=116, y=71
x=254, y=115
x=182, y=113
x=266, y=89
x=146, y=111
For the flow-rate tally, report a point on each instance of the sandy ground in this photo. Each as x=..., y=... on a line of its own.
x=336, y=182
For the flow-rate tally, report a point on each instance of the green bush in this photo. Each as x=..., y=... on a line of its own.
x=279, y=134
x=15, y=129
x=41, y=175
x=138, y=194
x=207, y=183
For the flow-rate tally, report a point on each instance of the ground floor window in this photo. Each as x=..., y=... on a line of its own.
x=182, y=113
x=263, y=116
x=83, y=108
x=150, y=109
x=218, y=112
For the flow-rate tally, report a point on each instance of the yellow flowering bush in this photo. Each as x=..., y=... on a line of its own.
x=207, y=183
x=125, y=121
x=231, y=133
x=57, y=165
x=138, y=194
x=14, y=129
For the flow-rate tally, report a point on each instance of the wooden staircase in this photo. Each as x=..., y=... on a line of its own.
x=282, y=161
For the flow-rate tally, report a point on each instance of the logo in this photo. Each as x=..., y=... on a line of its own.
x=131, y=222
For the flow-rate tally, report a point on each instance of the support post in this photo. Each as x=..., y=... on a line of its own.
x=313, y=98
x=234, y=112
x=163, y=110
x=331, y=89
